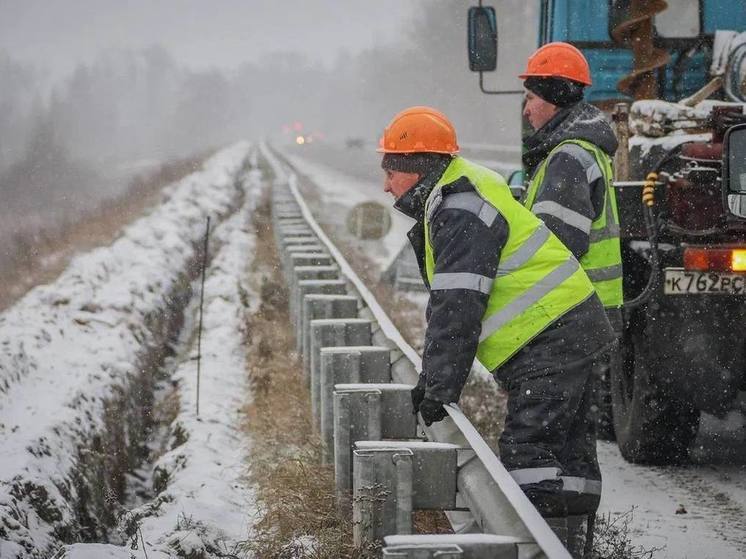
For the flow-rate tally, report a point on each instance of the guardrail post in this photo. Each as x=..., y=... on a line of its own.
x=422, y=475
x=462, y=546
x=404, y=467
x=300, y=240
x=294, y=229
x=365, y=364
x=301, y=273
x=445, y=551
x=316, y=307
x=282, y=236
x=297, y=259
x=333, y=333
x=284, y=210
x=299, y=249
x=367, y=412
x=298, y=226
x=307, y=287
x=297, y=230
x=282, y=241
x=288, y=219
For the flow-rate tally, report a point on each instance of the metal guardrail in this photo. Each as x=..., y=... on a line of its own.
x=495, y=501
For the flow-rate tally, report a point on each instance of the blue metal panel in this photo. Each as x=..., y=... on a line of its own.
x=588, y=21
x=693, y=75
x=724, y=14
x=607, y=68
x=580, y=20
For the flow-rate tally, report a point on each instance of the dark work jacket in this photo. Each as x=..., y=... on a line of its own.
x=464, y=243
x=566, y=177
x=565, y=180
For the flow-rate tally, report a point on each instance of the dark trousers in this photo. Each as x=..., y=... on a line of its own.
x=549, y=440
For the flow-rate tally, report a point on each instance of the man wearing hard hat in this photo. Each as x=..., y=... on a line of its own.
x=568, y=159
x=502, y=288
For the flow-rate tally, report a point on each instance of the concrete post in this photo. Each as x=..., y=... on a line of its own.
x=367, y=412
x=366, y=364
x=307, y=287
x=461, y=546
x=333, y=333
x=316, y=307
x=422, y=474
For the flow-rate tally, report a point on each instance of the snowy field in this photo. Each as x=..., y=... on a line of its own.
x=710, y=496
x=75, y=352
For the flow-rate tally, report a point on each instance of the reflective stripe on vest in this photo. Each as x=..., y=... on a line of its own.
x=603, y=261
x=538, y=279
x=527, y=476
x=462, y=280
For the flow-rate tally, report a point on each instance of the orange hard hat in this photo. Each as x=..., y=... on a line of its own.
x=558, y=60
x=417, y=130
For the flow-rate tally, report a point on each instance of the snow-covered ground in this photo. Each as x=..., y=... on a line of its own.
x=73, y=350
x=712, y=494
x=206, y=506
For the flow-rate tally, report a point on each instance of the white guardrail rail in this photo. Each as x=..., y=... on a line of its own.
x=360, y=370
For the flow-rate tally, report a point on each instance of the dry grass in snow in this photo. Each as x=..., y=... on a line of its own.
x=296, y=494
x=32, y=258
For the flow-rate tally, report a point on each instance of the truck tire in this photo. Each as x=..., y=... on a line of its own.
x=651, y=426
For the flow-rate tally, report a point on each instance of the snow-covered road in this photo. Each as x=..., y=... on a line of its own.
x=710, y=496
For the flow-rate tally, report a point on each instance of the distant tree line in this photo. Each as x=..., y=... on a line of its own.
x=68, y=146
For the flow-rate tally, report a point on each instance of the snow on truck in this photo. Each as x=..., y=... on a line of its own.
x=672, y=77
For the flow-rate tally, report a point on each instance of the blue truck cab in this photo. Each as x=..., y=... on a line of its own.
x=682, y=351
x=685, y=29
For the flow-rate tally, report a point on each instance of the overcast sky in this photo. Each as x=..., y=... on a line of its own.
x=57, y=34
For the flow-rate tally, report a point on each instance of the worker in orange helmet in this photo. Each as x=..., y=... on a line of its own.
x=505, y=290
x=568, y=159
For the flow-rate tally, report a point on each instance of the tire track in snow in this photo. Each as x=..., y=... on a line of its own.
x=721, y=512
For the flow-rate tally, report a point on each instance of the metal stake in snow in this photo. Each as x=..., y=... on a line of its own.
x=201, y=302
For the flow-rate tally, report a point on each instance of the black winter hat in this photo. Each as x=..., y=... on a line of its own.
x=557, y=91
x=420, y=163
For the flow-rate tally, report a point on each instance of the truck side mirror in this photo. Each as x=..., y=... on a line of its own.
x=516, y=183
x=734, y=170
x=482, y=39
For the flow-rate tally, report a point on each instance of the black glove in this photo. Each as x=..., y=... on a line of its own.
x=432, y=411
x=418, y=393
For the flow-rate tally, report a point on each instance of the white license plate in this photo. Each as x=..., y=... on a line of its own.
x=681, y=282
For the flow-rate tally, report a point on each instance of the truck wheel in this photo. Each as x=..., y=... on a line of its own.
x=651, y=426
